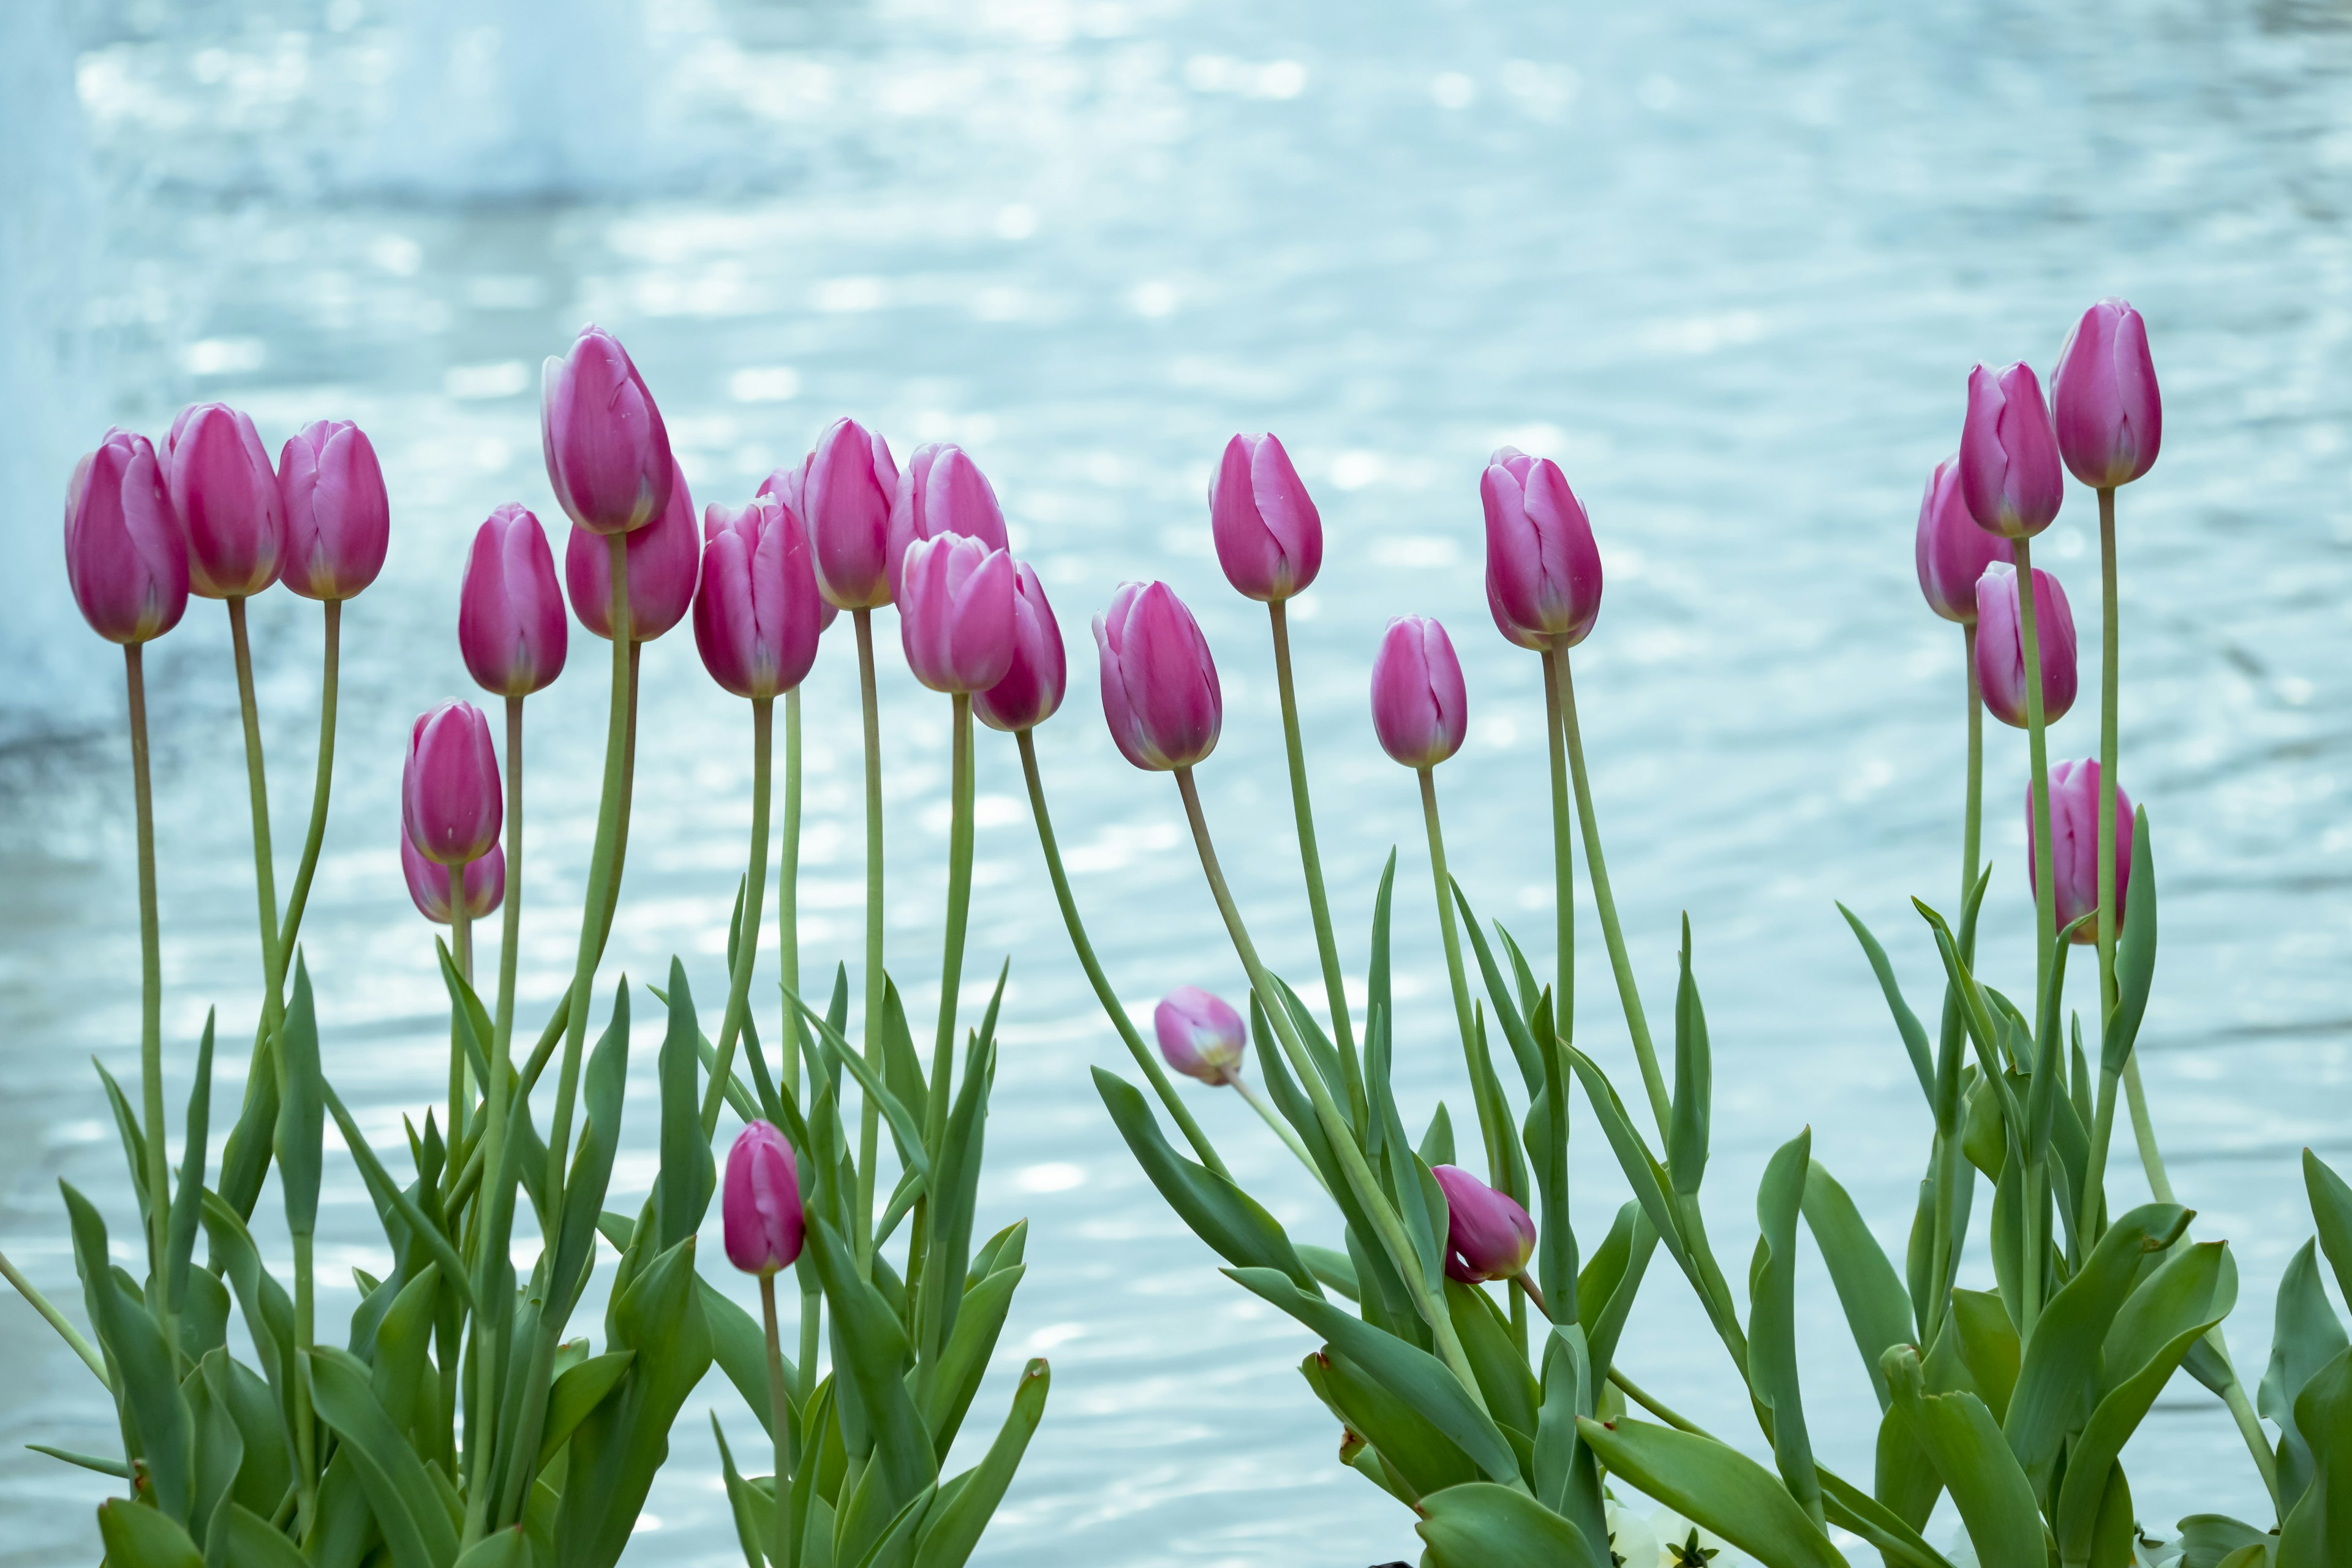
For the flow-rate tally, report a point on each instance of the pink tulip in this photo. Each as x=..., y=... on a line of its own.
x=2000, y=644
x=2010, y=475
x=2103, y=397
x=1488, y=1234
x=1543, y=570
x=1952, y=551
x=1420, y=707
x=338, y=519
x=1534, y=642
x=848, y=489
x=125, y=556
x=449, y=796
x=1269, y=536
x=510, y=623
x=428, y=885
x=788, y=485
x=1201, y=1035
x=2074, y=828
x=762, y=1201
x=1033, y=684
x=607, y=451
x=225, y=495
x=1160, y=687
x=757, y=615
x=940, y=490
x=955, y=613
x=664, y=557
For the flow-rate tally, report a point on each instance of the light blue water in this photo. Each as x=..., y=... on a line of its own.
x=1727, y=263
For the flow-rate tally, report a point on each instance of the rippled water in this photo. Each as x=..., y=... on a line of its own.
x=1727, y=263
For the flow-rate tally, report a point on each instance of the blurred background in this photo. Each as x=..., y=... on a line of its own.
x=1728, y=264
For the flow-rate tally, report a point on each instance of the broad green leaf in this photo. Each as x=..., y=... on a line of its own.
x=187, y=1198
x=389, y=1194
x=604, y=1087
x=1436, y=1146
x=1610, y=1281
x=2317, y=1533
x=1511, y=1394
x=2135, y=951
x=1418, y=1457
x=1903, y=1479
x=1987, y=1486
x=878, y=1417
x=2331, y=1208
x=683, y=1191
x=953, y=1528
x=2306, y=1337
x=253, y=1542
x=301, y=1120
x=218, y=1452
x=1718, y=1487
x=1218, y=1212
x=1335, y=1268
x=1687, y=1129
x=1772, y=1372
x=1906, y=1023
x=264, y=1470
x=134, y=1344
x=962, y=1144
x=740, y=1345
x=137, y=1536
x=1985, y=1342
x=506, y=1547
x=1567, y=1478
x=906, y=1129
x=1647, y=1177
x=964, y=1360
x=1508, y=1011
x=577, y=1392
x=134, y=1142
x=755, y=1512
x=417, y=1529
x=1482, y=1525
x=1877, y=1309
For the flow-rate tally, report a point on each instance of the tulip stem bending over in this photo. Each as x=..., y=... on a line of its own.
x=869, y=1125
x=150, y=969
x=747, y=935
x=1493, y=1122
x=1318, y=903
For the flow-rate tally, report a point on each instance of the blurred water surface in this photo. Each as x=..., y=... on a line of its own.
x=1727, y=263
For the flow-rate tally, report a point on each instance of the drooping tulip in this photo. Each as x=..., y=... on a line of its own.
x=940, y=490
x=1160, y=687
x=1488, y=1234
x=847, y=487
x=1032, y=686
x=1421, y=708
x=761, y=1203
x=1201, y=1035
x=449, y=796
x=511, y=622
x=1269, y=536
x=2103, y=397
x=757, y=615
x=1952, y=552
x=224, y=494
x=1543, y=568
x=2010, y=475
x=2000, y=644
x=126, y=558
x=955, y=613
x=2074, y=830
x=607, y=450
x=338, y=518
x=664, y=558
x=428, y=884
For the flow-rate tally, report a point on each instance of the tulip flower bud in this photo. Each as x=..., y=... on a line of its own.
x=2009, y=476
x=449, y=796
x=1201, y=1035
x=762, y=1201
x=1269, y=536
x=607, y=451
x=1160, y=687
x=338, y=519
x=1488, y=1234
x=2103, y=397
x=226, y=496
x=664, y=558
x=1534, y=642
x=940, y=490
x=510, y=623
x=757, y=615
x=1420, y=707
x=1543, y=570
x=1033, y=683
x=955, y=613
x=125, y=555
x=428, y=885
x=2000, y=644
x=2074, y=831
x=1952, y=551
x=848, y=489
x=788, y=485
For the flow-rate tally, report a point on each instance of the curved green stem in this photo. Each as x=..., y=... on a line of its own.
x=747, y=935
x=1493, y=1125
x=1563, y=860
x=788, y=895
x=2045, y=902
x=461, y=949
x=1972, y=830
x=1282, y=1130
x=869, y=1125
x=150, y=972
x=264, y=875
x=73, y=1337
x=323, y=783
x=1319, y=903
x=961, y=788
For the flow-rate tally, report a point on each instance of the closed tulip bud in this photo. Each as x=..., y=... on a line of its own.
x=787, y=485
x=955, y=613
x=664, y=557
x=762, y=1201
x=428, y=885
x=607, y=451
x=1543, y=570
x=2103, y=397
x=1201, y=1035
x=510, y=623
x=1952, y=551
x=2000, y=644
x=226, y=496
x=2074, y=831
x=1269, y=536
x=449, y=796
x=1032, y=686
x=125, y=556
x=1520, y=637
x=757, y=615
x=1488, y=1234
x=2009, y=476
x=338, y=518
x=940, y=490
x=1420, y=707
x=848, y=489
x=1160, y=687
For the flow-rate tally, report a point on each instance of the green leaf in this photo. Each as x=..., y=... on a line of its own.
x=604, y=1087
x=574, y=1394
x=253, y=1543
x=1417, y=1458
x=1906, y=1022
x=1772, y=1372
x=687, y=1178
x=301, y=1120
x=1986, y=1343
x=1687, y=1128
x=1334, y=1269
x=187, y=1198
x=1219, y=1213
x=906, y=1131
x=145, y=1372
x=953, y=1529
x=964, y=1360
x=1987, y=1486
x=1717, y=1488
x=961, y=1146
x=870, y=1356
x=1496, y=1360
x=114, y=1468
x=1482, y=1525
x=388, y=1194
x=139, y=1537
x=1437, y=1144
x=2318, y=1532
x=1610, y=1281
x=2135, y=951
x=134, y=1142
x=2305, y=1338
x=1877, y=1309
x=740, y=1345
x=508, y=1548
x=1567, y=1478
x=2331, y=1208
x=902, y=1069
x=755, y=1512
x=418, y=1529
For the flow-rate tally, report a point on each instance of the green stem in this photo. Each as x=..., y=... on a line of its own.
x=323, y=783
x=306, y=1430
x=490, y=1150
x=747, y=935
x=1563, y=861
x=1319, y=903
x=2045, y=901
x=151, y=973
x=2094, y=1179
x=2110, y=635
x=788, y=888
x=264, y=875
x=461, y=949
x=628, y=799
x=1972, y=833
x=511, y=927
x=1282, y=1130
x=958, y=914
x=869, y=1114
x=1492, y=1129
x=56, y=1320
x=779, y=1410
